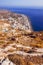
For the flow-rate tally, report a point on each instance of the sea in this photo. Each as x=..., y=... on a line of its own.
x=35, y=15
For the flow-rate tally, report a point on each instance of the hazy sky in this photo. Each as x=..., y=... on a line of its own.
x=36, y=3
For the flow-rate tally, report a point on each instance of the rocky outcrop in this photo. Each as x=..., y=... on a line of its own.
x=21, y=48
x=16, y=20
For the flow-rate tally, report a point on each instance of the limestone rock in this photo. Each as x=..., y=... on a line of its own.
x=20, y=21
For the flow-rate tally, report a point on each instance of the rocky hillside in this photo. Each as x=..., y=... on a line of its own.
x=19, y=44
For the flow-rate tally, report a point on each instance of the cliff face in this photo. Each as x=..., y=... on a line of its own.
x=16, y=20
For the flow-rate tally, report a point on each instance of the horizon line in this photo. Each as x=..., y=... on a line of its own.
x=35, y=7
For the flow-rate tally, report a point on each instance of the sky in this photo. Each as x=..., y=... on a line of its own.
x=24, y=3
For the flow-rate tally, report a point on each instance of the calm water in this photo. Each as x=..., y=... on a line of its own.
x=36, y=16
